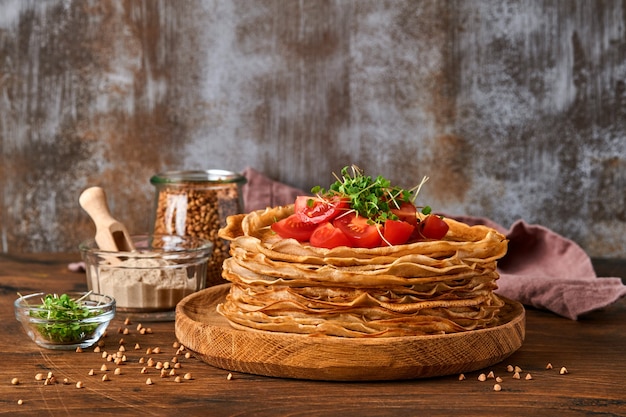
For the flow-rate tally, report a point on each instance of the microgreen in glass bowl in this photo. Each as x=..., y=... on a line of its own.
x=66, y=321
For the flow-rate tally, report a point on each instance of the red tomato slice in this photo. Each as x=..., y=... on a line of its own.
x=317, y=210
x=397, y=232
x=292, y=228
x=407, y=212
x=328, y=236
x=433, y=227
x=360, y=233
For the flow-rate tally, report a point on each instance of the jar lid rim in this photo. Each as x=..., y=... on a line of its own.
x=220, y=176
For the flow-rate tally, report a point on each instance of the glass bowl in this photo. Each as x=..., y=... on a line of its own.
x=148, y=282
x=49, y=322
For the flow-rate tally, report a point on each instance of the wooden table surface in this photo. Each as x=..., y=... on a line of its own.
x=592, y=350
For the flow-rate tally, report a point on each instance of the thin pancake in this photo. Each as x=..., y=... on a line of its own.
x=426, y=287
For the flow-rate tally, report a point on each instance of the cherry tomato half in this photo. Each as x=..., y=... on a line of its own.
x=328, y=236
x=292, y=228
x=397, y=232
x=317, y=210
x=359, y=231
x=407, y=212
x=433, y=227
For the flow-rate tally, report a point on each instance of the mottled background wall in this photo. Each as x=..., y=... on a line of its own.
x=514, y=109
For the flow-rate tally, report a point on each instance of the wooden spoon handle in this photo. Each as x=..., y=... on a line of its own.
x=111, y=235
x=93, y=201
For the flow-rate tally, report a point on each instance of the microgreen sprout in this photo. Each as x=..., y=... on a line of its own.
x=65, y=315
x=373, y=198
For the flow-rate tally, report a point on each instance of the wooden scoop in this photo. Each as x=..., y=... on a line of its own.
x=111, y=235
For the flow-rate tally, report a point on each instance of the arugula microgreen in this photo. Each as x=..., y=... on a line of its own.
x=65, y=315
x=372, y=198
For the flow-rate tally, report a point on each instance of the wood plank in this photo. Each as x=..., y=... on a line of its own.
x=591, y=349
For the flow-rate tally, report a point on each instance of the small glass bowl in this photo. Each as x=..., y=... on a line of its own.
x=148, y=283
x=69, y=333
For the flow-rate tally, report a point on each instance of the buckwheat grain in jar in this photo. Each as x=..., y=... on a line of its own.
x=197, y=203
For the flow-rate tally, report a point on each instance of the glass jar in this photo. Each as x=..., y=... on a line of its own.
x=197, y=203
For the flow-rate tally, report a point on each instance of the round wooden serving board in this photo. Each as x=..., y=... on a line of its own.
x=200, y=328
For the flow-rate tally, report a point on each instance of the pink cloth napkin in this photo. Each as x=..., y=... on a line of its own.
x=541, y=268
x=548, y=271
x=260, y=191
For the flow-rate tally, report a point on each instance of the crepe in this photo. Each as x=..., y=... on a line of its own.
x=421, y=288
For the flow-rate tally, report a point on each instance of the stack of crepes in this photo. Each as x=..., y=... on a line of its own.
x=422, y=288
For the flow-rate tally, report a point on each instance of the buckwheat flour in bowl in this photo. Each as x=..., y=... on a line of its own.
x=148, y=283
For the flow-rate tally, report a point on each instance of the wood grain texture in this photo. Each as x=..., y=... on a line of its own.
x=591, y=349
x=200, y=328
x=514, y=109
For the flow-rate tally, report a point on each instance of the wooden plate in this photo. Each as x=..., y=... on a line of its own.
x=200, y=328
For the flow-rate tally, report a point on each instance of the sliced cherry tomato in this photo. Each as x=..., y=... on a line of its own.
x=407, y=212
x=359, y=231
x=397, y=232
x=292, y=228
x=328, y=236
x=433, y=227
x=317, y=210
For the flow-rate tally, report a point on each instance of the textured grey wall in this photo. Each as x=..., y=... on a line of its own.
x=514, y=109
